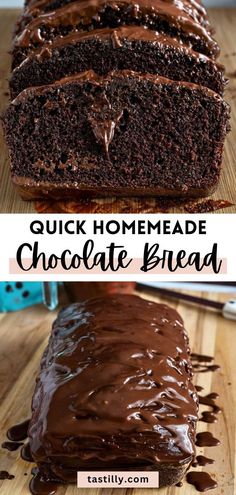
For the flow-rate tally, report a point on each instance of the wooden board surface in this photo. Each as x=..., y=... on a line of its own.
x=224, y=21
x=23, y=336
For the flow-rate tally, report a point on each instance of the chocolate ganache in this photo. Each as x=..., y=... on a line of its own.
x=115, y=391
x=175, y=18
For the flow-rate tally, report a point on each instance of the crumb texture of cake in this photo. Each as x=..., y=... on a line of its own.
x=180, y=19
x=115, y=98
x=115, y=391
x=82, y=136
x=105, y=50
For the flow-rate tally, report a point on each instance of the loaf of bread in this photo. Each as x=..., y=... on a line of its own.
x=115, y=97
x=115, y=392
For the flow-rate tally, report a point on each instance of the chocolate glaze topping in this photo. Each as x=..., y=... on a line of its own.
x=40, y=486
x=201, y=358
x=201, y=363
x=26, y=453
x=104, y=128
x=209, y=400
x=180, y=14
x=34, y=8
x=114, y=388
x=204, y=368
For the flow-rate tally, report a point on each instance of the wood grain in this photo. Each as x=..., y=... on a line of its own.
x=224, y=21
x=23, y=336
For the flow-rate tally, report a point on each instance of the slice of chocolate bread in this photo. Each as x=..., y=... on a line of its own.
x=171, y=18
x=121, y=134
x=115, y=392
x=194, y=8
x=104, y=50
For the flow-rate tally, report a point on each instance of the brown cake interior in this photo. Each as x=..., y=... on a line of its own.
x=90, y=121
x=100, y=134
x=105, y=50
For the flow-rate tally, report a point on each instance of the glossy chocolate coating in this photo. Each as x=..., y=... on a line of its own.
x=117, y=36
x=179, y=14
x=114, y=389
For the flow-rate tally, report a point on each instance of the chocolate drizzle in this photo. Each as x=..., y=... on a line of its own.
x=208, y=417
x=115, y=39
x=206, y=439
x=209, y=400
x=11, y=446
x=40, y=485
x=201, y=363
x=201, y=480
x=205, y=368
x=199, y=388
x=201, y=358
x=18, y=432
x=4, y=475
x=104, y=127
x=34, y=8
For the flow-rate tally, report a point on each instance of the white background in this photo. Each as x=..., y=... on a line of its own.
x=232, y=3
x=219, y=229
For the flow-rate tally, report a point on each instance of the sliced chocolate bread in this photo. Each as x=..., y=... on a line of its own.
x=163, y=16
x=34, y=8
x=104, y=50
x=120, y=134
x=114, y=392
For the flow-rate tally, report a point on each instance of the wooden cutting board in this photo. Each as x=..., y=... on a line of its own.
x=224, y=21
x=23, y=336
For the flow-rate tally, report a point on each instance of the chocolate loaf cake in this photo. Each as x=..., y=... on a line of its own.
x=77, y=137
x=115, y=392
x=112, y=97
x=180, y=20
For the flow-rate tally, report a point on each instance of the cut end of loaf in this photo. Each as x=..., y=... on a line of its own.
x=148, y=117
x=120, y=132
